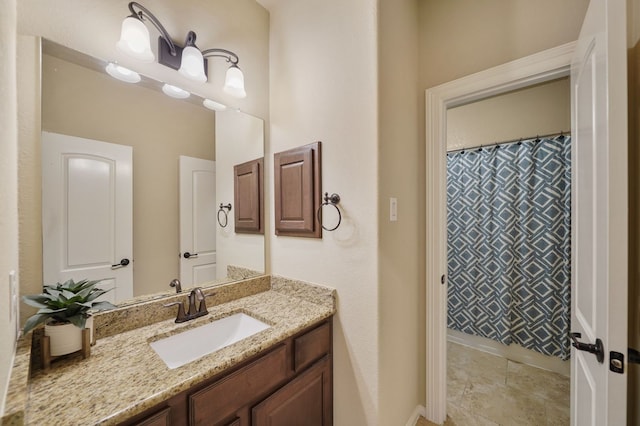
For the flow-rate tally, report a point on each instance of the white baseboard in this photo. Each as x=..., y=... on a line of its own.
x=419, y=411
x=513, y=352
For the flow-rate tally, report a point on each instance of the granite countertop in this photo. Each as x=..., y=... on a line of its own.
x=124, y=376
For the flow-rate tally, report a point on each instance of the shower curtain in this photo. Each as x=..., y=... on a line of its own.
x=508, y=242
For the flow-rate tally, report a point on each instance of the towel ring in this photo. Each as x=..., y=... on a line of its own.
x=332, y=200
x=225, y=213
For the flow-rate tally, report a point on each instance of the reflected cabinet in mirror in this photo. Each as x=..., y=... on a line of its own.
x=179, y=170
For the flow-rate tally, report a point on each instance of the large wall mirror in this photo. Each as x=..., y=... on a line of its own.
x=167, y=136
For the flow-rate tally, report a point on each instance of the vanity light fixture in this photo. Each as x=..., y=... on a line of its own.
x=213, y=105
x=175, y=92
x=122, y=73
x=188, y=60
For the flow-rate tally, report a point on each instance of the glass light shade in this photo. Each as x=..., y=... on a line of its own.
x=234, y=82
x=192, y=64
x=134, y=40
x=213, y=105
x=122, y=73
x=175, y=92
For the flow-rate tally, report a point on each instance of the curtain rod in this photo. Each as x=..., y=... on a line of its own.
x=561, y=133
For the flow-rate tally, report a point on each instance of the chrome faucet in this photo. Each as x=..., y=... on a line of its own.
x=196, y=295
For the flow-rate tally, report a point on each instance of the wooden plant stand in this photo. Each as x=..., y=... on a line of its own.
x=47, y=358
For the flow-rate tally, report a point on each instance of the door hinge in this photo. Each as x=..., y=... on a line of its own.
x=443, y=279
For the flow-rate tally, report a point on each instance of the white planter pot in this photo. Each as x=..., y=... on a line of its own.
x=66, y=338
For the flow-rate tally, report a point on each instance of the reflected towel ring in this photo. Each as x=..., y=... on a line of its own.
x=332, y=200
x=225, y=213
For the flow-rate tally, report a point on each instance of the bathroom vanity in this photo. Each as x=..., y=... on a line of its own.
x=293, y=380
x=281, y=373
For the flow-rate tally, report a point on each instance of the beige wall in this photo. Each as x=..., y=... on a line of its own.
x=81, y=102
x=460, y=37
x=538, y=110
x=29, y=169
x=401, y=271
x=8, y=188
x=323, y=61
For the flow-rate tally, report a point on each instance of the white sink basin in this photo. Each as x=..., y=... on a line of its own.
x=182, y=348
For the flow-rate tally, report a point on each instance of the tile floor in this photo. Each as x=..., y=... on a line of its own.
x=484, y=389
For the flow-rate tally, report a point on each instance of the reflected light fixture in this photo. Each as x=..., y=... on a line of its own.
x=122, y=73
x=213, y=105
x=175, y=92
x=188, y=60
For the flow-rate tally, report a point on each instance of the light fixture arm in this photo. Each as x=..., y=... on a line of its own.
x=221, y=53
x=145, y=13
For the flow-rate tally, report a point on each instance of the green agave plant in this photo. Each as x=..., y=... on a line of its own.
x=66, y=302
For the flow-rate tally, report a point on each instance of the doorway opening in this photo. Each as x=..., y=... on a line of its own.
x=543, y=67
x=508, y=256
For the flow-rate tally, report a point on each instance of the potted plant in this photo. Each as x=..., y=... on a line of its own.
x=64, y=308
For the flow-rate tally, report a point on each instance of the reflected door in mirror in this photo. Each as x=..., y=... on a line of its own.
x=197, y=221
x=87, y=213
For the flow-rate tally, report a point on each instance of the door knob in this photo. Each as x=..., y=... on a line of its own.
x=187, y=255
x=124, y=262
x=597, y=349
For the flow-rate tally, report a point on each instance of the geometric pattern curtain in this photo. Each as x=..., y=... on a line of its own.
x=508, y=243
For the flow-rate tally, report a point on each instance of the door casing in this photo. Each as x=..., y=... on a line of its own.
x=541, y=67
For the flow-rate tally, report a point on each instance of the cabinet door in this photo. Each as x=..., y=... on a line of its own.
x=248, y=194
x=297, y=191
x=305, y=401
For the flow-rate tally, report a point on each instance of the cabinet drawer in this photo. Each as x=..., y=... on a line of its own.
x=161, y=418
x=221, y=399
x=311, y=346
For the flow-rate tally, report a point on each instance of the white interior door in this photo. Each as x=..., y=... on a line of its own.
x=197, y=221
x=599, y=216
x=87, y=213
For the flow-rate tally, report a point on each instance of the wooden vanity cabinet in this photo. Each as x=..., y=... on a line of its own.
x=306, y=400
x=288, y=384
